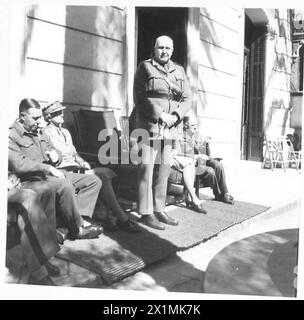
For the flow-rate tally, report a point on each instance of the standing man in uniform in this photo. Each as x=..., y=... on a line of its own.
x=162, y=98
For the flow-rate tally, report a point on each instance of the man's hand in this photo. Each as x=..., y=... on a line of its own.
x=13, y=182
x=202, y=157
x=168, y=119
x=56, y=173
x=53, y=156
x=85, y=165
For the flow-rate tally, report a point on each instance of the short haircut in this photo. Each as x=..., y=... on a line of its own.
x=163, y=37
x=186, y=119
x=27, y=104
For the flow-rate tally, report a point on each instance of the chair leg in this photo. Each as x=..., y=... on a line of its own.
x=197, y=185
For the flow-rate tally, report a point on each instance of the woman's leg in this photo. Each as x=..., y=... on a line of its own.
x=188, y=179
x=108, y=196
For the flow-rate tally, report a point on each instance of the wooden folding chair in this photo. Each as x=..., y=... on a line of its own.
x=273, y=152
x=279, y=151
x=294, y=157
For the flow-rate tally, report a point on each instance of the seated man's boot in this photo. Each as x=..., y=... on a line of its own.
x=89, y=232
x=46, y=281
x=52, y=270
x=150, y=221
x=226, y=198
x=163, y=217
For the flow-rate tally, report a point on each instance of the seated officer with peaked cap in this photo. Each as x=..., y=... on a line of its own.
x=62, y=142
x=32, y=157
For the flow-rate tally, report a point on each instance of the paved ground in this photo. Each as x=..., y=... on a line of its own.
x=198, y=270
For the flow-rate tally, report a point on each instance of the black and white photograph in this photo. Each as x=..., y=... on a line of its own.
x=151, y=149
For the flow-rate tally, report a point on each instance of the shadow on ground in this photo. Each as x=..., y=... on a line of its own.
x=263, y=265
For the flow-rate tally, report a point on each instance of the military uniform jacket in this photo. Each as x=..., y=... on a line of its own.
x=158, y=89
x=27, y=151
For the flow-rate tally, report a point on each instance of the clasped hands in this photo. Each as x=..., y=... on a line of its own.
x=168, y=119
x=13, y=182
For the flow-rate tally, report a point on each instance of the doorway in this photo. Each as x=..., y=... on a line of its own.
x=253, y=92
x=153, y=22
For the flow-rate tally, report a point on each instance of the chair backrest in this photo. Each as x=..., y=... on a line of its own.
x=89, y=123
x=278, y=148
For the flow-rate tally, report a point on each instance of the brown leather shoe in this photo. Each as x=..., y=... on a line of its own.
x=62, y=235
x=152, y=222
x=163, y=217
x=52, y=270
x=129, y=225
x=90, y=232
x=226, y=198
x=46, y=281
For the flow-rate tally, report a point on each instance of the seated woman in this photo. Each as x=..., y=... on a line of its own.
x=62, y=141
x=186, y=166
x=34, y=215
x=209, y=169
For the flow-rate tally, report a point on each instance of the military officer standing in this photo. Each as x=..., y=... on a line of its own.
x=162, y=98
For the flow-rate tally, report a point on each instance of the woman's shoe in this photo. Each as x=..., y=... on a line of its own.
x=128, y=225
x=192, y=206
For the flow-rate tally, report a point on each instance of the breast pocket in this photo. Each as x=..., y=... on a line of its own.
x=180, y=83
x=24, y=144
x=157, y=84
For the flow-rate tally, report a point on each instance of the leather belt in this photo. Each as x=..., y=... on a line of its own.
x=166, y=96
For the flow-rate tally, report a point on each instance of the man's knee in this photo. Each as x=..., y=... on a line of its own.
x=63, y=186
x=208, y=178
x=93, y=180
x=27, y=197
x=215, y=164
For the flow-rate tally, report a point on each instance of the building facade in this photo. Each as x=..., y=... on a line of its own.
x=239, y=63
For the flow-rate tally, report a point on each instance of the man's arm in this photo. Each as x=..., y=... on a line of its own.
x=145, y=107
x=185, y=103
x=54, y=155
x=19, y=163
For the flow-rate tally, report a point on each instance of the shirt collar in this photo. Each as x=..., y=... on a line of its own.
x=21, y=131
x=170, y=64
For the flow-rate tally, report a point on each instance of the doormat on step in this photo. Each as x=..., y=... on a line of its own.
x=117, y=255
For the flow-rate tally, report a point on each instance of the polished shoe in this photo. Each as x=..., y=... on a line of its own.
x=226, y=198
x=46, y=281
x=52, y=270
x=129, y=225
x=90, y=221
x=192, y=206
x=109, y=225
x=152, y=222
x=90, y=232
x=163, y=217
x=61, y=234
